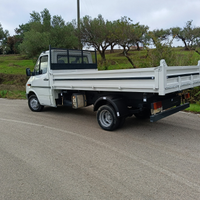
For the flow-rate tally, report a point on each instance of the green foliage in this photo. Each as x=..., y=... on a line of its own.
x=15, y=94
x=128, y=34
x=159, y=35
x=194, y=108
x=3, y=93
x=34, y=43
x=1, y=32
x=173, y=56
x=3, y=38
x=195, y=95
x=189, y=35
x=150, y=57
x=42, y=31
x=14, y=64
x=63, y=36
x=95, y=33
x=162, y=51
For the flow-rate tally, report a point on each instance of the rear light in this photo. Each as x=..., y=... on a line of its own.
x=187, y=96
x=28, y=84
x=156, y=107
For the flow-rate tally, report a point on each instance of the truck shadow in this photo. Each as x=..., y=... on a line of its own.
x=168, y=128
x=62, y=111
x=87, y=114
x=132, y=126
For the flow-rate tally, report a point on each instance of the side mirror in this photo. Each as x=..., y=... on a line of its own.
x=28, y=72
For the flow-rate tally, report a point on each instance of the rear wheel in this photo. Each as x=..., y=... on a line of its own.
x=107, y=118
x=34, y=104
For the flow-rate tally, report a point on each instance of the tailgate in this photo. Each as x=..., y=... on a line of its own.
x=172, y=79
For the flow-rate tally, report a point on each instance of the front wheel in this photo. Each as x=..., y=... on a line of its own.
x=34, y=104
x=107, y=118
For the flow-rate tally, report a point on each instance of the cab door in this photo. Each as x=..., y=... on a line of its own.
x=40, y=82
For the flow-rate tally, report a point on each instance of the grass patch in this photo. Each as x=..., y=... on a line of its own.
x=194, y=108
x=17, y=64
x=3, y=93
x=15, y=94
x=14, y=64
x=143, y=59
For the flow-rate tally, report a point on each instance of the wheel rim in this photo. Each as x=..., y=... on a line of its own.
x=34, y=104
x=105, y=118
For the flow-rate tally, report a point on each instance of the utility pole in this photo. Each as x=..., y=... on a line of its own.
x=78, y=13
x=78, y=22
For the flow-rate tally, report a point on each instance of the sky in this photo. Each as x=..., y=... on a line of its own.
x=156, y=14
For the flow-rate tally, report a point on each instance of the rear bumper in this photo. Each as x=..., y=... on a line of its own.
x=156, y=117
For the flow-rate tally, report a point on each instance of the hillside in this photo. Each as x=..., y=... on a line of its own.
x=13, y=78
x=16, y=64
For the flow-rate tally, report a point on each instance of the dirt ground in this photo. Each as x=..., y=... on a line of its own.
x=12, y=87
x=12, y=82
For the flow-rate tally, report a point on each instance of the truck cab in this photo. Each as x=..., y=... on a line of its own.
x=40, y=82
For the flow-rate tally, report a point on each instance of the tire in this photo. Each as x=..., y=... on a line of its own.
x=145, y=114
x=107, y=118
x=34, y=104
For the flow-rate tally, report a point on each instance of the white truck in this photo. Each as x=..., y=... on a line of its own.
x=71, y=78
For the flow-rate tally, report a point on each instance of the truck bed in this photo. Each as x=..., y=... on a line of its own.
x=162, y=79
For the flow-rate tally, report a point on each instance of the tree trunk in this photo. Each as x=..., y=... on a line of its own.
x=125, y=54
x=197, y=51
x=112, y=48
x=125, y=51
x=131, y=61
x=102, y=54
x=186, y=47
x=138, y=47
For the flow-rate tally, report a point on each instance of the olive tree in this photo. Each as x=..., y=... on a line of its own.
x=44, y=30
x=159, y=35
x=129, y=34
x=4, y=34
x=95, y=33
x=188, y=35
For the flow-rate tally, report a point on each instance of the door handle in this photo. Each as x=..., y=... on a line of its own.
x=45, y=79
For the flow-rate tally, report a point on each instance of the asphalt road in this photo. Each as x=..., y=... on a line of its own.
x=63, y=154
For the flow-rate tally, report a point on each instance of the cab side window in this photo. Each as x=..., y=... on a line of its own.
x=37, y=67
x=41, y=65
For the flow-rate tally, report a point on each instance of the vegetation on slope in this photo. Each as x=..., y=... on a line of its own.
x=13, y=78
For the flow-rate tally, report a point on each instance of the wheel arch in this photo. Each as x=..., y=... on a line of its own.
x=34, y=103
x=31, y=93
x=118, y=103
